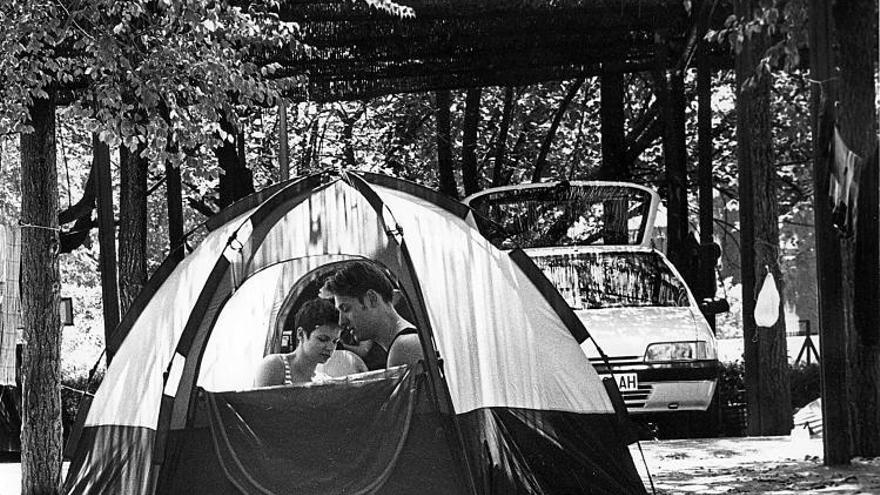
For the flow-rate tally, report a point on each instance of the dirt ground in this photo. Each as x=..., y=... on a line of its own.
x=771, y=465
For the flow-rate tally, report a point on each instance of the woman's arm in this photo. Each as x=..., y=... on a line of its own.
x=270, y=372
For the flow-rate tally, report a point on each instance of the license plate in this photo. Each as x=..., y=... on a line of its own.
x=626, y=381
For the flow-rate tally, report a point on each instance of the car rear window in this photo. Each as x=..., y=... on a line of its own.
x=590, y=280
x=565, y=215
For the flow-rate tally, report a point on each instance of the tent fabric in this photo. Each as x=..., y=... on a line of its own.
x=132, y=387
x=112, y=459
x=524, y=451
x=495, y=356
x=502, y=345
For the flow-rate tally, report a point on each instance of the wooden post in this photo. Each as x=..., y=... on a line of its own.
x=832, y=341
x=706, y=287
x=106, y=238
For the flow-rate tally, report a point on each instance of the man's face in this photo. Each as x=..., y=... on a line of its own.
x=361, y=316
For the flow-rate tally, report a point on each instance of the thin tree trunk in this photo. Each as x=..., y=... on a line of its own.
x=501, y=144
x=856, y=31
x=614, y=164
x=765, y=354
x=470, y=131
x=307, y=158
x=548, y=138
x=132, y=225
x=174, y=197
x=106, y=238
x=676, y=176
x=707, y=284
x=612, y=121
x=348, y=122
x=41, y=438
x=444, y=145
x=283, y=153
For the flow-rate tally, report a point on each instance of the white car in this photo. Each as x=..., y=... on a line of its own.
x=593, y=242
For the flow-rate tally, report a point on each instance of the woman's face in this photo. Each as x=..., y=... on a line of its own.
x=319, y=346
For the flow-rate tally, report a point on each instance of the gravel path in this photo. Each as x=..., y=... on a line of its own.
x=771, y=465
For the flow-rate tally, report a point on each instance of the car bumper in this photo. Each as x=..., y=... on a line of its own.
x=668, y=387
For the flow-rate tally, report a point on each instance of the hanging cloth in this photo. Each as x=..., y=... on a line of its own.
x=10, y=302
x=767, y=306
x=843, y=185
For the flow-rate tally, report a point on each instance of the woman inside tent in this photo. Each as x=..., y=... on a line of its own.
x=317, y=332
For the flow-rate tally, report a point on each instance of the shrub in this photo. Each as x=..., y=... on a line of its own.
x=805, y=384
x=805, y=387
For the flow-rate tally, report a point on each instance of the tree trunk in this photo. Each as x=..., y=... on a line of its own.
x=675, y=151
x=236, y=180
x=501, y=144
x=469, y=141
x=283, y=152
x=132, y=225
x=541, y=161
x=837, y=437
x=856, y=29
x=174, y=197
x=444, y=145
x=707, y=284
x=612, y=121
x=765, y=353
x=614, y=157
x=41, y=439
x=348, y=122
x=305, y=165
x=106, y=238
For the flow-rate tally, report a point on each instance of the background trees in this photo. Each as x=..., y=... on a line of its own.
x=181, y=84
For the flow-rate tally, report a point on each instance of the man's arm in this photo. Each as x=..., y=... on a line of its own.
x=407, y=349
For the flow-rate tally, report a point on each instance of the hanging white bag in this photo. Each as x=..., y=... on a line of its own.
x=767, y=306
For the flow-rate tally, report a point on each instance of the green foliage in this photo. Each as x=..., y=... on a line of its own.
x=141, y=73
x=805, y=384
x=784, y=21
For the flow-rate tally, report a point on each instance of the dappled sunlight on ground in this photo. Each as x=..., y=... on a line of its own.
x=771, y=465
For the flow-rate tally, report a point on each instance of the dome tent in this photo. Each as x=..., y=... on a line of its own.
x=506, y=402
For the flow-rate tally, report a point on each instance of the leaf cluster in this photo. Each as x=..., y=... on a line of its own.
x=783, y=22
x=142, y=74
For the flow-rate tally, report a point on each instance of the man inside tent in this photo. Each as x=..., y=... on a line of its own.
x=364, y=297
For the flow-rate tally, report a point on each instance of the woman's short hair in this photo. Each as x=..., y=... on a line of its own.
x=355, y=278
x=316, y=312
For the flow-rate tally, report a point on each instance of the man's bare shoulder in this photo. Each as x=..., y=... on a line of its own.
x=407, y=349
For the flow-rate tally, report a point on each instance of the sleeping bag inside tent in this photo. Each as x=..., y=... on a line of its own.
x=504, y=402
